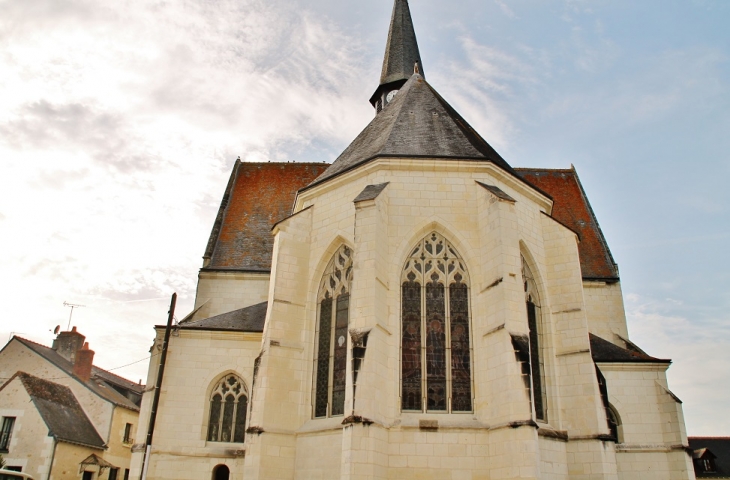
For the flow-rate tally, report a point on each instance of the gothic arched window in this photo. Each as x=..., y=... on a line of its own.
x=436, y=340
x=333, y=317
x=537, y=343
x=228, y=405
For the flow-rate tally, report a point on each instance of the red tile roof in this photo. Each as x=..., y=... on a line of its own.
x=258, y=196
x=572, y=209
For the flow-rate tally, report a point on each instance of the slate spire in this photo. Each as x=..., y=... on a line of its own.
x=401, y=55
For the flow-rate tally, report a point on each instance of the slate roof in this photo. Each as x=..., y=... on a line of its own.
x=258, y=195
x=370, y=192
x=61, y=412
x=417, y=123
x=720, y=448
x=497, y=192
x=572, y=209
x=604, y=351
x=96, y=383
x=401, y=51
x=249, y=319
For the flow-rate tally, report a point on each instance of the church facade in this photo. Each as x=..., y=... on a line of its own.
x=417, y=309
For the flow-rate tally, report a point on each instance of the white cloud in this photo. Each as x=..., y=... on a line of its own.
x=701, y=344
x=119, y=124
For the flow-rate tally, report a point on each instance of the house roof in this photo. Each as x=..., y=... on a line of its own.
x=401, y=51
x=97, y=383
x=61, y=412
x=417, y=123
x=720, y=448
x=572, y=209
x=604, y=351
x=249, y=319
x=257, y=196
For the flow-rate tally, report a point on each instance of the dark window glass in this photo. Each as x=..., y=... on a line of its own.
x=330, y=380
x=127, y=433
x=435, y=345
x=411, y=348
x=215, y=418
x=228, y=404
x=435, y=330
x=6, y=433
x=240, y=428
x=88, y=476
x=340, y=358
x=460, y=351
x=126, y=474
x=323, y=357
x=537, y=384
x=227, y=424
x=113, y=472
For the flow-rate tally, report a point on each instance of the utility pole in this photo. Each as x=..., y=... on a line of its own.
x=158, y=389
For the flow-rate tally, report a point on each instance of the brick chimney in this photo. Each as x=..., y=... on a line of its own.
x=68, y=343
x=83, y=362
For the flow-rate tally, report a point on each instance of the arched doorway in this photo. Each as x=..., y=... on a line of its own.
x=221, y=472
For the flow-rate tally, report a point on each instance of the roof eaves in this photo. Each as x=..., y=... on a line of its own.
x=214, y=329
x=235, y=269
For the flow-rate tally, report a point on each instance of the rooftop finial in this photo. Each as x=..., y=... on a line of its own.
x=402, y=48
x=401, y=52
x=415, y=69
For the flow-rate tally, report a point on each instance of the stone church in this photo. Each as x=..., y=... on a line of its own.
x=418, y=308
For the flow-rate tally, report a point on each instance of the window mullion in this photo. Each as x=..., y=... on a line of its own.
x=233, y=420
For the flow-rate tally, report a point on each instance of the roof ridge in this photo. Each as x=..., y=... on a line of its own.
x=543, y=169
x=67, y=368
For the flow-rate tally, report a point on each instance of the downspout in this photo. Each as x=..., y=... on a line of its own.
x=53, y=457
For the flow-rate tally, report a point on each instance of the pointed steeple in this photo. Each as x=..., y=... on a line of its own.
x=401, y=56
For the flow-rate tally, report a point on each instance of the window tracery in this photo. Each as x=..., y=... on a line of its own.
x=536, y=337
x=436, y=341
x=331, y=357
x=228, y=406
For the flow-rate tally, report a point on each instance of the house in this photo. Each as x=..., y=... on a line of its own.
x=418, y=308
x=62, y=417
x=711, y=456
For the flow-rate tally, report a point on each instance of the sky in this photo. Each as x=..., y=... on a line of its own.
x=120, y=123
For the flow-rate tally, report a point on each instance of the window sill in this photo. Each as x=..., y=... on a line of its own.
x=322, y=424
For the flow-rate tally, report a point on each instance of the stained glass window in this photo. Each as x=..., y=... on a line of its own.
x=228, y=408
x=435, y=329
x=331, y=356
x=537, y=344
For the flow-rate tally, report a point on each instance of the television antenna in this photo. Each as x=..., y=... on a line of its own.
x=72, y=305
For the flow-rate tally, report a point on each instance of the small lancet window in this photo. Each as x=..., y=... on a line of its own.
x=228, y=406
x=436, y=348
x=536, y=343
x=330, y=362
